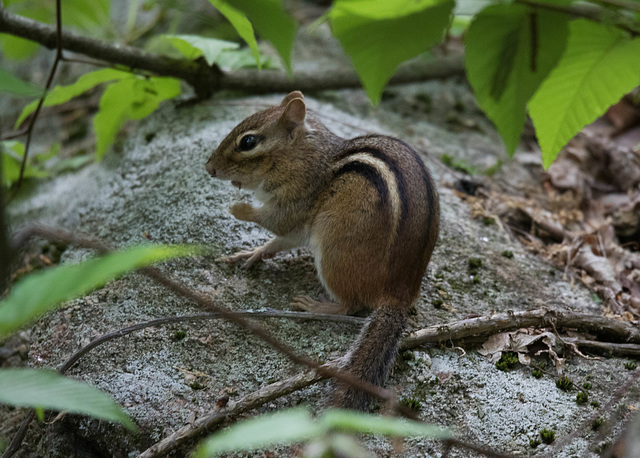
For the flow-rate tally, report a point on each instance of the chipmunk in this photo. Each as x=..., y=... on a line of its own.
x=367, y=209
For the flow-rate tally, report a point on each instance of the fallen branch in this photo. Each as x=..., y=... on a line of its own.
x=206, y=80
x=616, y=330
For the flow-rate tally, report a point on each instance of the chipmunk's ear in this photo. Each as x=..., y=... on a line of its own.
x=290, y=96
x=294, y=114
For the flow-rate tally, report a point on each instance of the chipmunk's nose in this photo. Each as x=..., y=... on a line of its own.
x=210, y=169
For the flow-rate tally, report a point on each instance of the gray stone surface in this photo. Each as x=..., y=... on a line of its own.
x=157, y=190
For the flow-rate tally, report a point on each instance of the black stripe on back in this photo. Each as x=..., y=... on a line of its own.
x=426, y=178
x=393, y=166
x=370, y=173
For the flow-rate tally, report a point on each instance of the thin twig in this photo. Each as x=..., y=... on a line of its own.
x=304, y=316
x=47, y=86
x=6, y=253
x=13, y=135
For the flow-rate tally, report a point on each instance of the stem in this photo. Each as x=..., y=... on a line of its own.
x=52, y=73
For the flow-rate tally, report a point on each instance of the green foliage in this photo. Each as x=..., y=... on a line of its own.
x=582, y=397
x=19, y=48
x=42, y=291
x=599, y=66
x=243, y=58
x=48, y=390
x=129, y=98
x=566, y=71
x=459, y=165
x=16, y=87
x=507, y=361
x=411, y=402
x=194, y=46
x=631, y=365
x=11, y=154
x=537, y=373
x=90, y=17
x=587, y=385
x=270, y=20
x=547, y=436
x=289, y=426
x=474, y=265
x=297, y=425
x=61, y=94
x=597, y=423
x=378, y=35
x=242, y=25
x=510, y=50
x=533, y=443
x=564, y=383
x=179, y=335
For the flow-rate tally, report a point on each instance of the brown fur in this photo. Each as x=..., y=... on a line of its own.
x=366, y=207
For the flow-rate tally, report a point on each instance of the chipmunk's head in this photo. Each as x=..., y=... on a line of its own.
x=251, y=152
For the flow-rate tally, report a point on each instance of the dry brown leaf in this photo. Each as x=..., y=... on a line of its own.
x=523, y=341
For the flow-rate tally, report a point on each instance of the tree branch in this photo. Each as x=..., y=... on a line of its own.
x=206, y=80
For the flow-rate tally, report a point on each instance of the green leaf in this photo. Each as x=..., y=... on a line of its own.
x=15, y=86
x=600, y=65
x=286, y=427
x=509, y=51
x=380, y=34
x=272, y=22
x=348, y=420
x=194, y=46
x=296, y=425
x=42, y=291
x=92, y=17
x=242, y=25
x=71, y=164
x=242, y=58
x=131, y=98
x=19, y=48
x=62, y=94
x=46, y=389
x=12, y=154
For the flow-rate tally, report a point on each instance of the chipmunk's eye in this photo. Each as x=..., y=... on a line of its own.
x=248, y=142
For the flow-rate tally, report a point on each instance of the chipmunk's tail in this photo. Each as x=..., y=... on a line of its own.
x=371, y=357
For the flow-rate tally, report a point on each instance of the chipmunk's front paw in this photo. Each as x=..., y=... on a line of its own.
x=243, y=211
x=251, y=256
